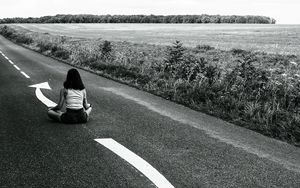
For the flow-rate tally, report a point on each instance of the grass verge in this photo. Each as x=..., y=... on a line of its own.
x=256, y=90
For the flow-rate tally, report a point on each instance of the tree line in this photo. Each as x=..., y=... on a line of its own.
x=88, y=18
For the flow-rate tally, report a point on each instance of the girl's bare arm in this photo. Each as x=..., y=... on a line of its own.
x=86, y=105
x=61, y=100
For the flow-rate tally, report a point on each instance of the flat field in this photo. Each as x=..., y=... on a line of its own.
x=282, y=39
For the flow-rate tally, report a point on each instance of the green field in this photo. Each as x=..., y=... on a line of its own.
x=283, y=39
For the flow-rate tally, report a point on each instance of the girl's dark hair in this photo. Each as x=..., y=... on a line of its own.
x=73, y=80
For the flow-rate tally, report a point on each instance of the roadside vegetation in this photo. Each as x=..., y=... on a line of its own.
x=256, y=90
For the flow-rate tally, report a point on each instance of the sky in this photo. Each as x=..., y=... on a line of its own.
x=284, y=11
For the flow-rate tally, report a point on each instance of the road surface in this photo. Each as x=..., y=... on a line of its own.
x=187, y=148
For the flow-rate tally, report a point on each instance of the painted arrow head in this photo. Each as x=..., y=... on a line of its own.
x=43, y=85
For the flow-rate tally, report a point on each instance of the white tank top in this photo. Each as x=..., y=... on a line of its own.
x=74, y=99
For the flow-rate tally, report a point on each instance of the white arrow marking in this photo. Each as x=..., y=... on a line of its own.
x=41, y=96
x=149, y=171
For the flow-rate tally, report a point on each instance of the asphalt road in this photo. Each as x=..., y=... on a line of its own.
x=188, y=148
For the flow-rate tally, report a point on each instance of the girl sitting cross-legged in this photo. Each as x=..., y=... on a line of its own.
x=73, y=95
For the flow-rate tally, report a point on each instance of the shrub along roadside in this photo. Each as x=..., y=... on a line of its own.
x=256, y=90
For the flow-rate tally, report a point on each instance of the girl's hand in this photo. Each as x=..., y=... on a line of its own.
x=87, y=106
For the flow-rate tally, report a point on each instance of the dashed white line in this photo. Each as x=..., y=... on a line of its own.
x=17, y=67
x=11, y=62
x=26, y=76
x=149, y=171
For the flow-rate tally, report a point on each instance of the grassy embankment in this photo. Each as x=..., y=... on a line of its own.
x=256, y=90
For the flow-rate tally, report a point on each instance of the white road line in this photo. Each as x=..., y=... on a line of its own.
x=17, y=67
x=26, y=76
x=11, y=62
x=149, y=171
